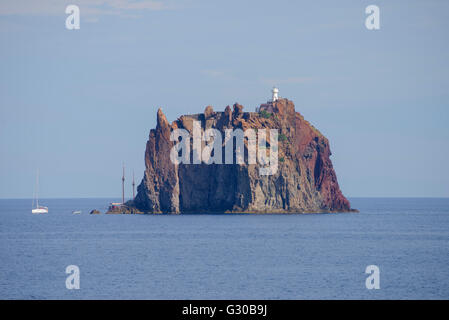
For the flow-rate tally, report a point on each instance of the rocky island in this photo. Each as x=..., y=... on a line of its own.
x=304, y=182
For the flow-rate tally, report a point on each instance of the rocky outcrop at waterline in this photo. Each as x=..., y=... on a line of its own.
x=305, y=180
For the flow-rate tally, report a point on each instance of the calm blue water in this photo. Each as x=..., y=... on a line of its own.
x=314, y=256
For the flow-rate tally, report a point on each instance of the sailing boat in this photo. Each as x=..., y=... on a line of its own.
x=38, y=209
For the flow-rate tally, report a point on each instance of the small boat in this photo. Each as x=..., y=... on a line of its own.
x=39, y=209
x=115, y=207
x=76, y=212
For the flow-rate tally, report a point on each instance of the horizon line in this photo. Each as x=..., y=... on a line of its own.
x=349, y=197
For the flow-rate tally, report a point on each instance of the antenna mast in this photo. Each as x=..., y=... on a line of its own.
x=134, y=184
x=123, y=184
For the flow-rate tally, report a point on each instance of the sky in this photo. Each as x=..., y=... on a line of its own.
x=76, y=104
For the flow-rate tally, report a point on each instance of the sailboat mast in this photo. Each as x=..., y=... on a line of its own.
x=134, y=184
x=37, y=189
x=123, y=185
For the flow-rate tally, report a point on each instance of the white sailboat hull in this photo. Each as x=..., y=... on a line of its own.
x=40, y=210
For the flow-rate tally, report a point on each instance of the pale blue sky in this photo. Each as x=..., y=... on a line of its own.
x=78, y=103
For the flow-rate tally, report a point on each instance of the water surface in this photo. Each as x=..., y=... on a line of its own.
x=309, y=256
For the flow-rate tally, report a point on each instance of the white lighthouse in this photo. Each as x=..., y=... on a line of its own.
x=275, y=92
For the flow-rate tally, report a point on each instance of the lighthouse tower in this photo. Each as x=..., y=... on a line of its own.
x=275, y=92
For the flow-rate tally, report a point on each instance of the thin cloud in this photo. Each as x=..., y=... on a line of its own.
x=288, y=80
x=213, y=73
x=89, y=7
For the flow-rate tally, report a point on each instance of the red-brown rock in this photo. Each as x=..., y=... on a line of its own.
x=304, y=182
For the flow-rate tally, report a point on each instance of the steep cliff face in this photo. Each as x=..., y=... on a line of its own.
x=304, y=182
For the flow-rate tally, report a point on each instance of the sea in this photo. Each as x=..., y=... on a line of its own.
x=200, y=256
